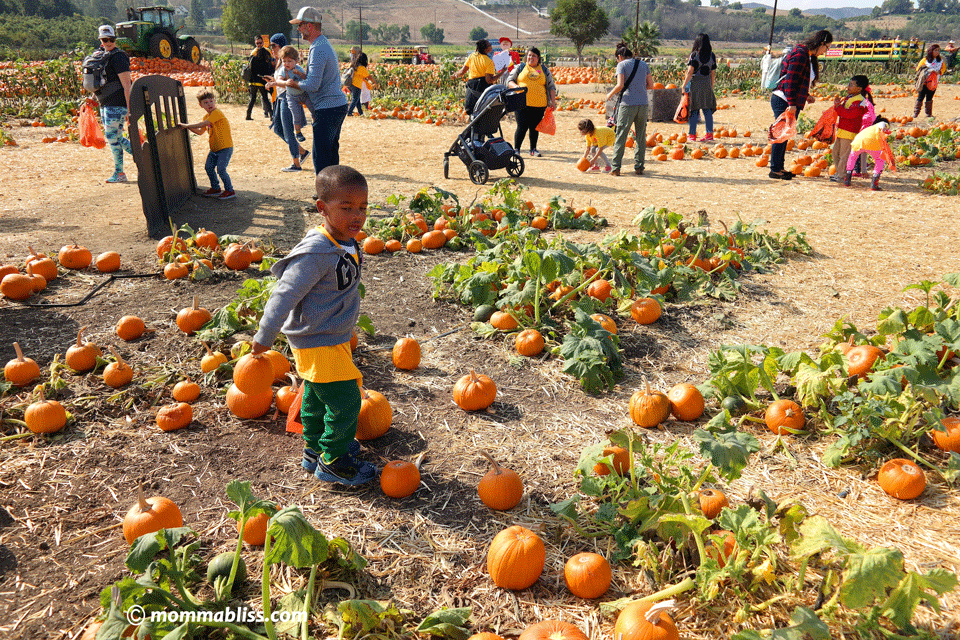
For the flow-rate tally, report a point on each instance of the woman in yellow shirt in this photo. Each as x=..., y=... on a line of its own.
x=480, y=74
x=360, y=74
x=541, y=94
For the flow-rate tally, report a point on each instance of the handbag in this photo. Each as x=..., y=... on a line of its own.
x=548, y=124
x=826, y=127
x=347, y=78
x=683, y=110
x=612, y=118
x=247, y=73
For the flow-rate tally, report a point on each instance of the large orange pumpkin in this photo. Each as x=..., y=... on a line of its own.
x=406, y=354
x=253, y=373
x=587, y=575
x=686, y=402
x=516, y=558
x=646, y=621
x=552, y=630
x=645, y=310
x=249, y=406
x=784, y=416
x=902, y=479
x=474, y=392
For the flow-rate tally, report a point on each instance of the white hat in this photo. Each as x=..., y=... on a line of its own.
x=106, y=31
x=308, y=14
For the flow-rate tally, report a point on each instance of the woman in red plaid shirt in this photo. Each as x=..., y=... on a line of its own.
x=793, y=89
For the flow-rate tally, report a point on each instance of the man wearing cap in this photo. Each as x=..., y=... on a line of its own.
x=322, y=84
x=114, y=97
x=949, y=54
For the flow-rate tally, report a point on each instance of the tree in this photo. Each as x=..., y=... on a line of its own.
x=760, y=11
x=405, y=34
x=580, y=21
x=478, y=33
x=243, y=18
x=646, y=42
x=715, y=3
x=896, y=6
x=196, y=20
x=876, y=12
x=795, y=13
x=357, y=32
x=431, y=33
x=736, y=5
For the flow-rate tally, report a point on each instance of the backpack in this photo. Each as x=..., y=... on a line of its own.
x=247, y=73
x=347, y=78
x=770, y=71
x=95, y=74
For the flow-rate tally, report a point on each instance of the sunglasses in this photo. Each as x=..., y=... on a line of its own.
x=108, y=39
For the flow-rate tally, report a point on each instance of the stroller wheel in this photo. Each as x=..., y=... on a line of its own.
x=478, y=172
x=446, y=168
x=515, y=166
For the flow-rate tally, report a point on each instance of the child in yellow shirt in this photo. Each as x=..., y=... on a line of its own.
x=873, y=142
x=597, y=139
x=221, y=145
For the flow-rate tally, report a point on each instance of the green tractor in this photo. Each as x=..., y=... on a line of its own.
x=150, y=32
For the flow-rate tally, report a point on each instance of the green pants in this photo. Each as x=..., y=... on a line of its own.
x=329, y=415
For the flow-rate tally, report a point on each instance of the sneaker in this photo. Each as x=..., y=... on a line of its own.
x=345, y=470
x=692, y=137
x=536, y=154
x=300, y=137
x=249, y=117
x=707, y=137
x=639, y=171
x=594, y=169
x=833, y=178
x=292, y=167
x=118, y=176
x=607, y=168
x=226, y=195
x=212, y=192
x=303, y=156
x=310, y=456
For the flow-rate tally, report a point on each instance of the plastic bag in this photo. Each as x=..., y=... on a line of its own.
x=683, y=110
x=933, y=79
x=784, y=128
x=826, y=126
x=549, y=124
x=91, y=135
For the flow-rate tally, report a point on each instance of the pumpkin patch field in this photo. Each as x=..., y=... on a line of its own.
x=697, y=403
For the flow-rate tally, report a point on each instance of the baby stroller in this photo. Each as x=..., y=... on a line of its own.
x=480, y=145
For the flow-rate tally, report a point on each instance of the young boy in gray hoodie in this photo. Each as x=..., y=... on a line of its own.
x=316, y=304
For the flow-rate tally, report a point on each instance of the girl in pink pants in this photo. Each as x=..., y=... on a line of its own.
x=872, y=141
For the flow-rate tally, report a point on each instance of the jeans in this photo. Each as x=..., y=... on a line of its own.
x=778, y=151
x=355, y=100
x=295, y=105
x=264, y=98
x=217, y=162
x=114, y=119
x=326, y=136
x=283, y=126
x=628, y=115
x=527, y=120
x=707, y=120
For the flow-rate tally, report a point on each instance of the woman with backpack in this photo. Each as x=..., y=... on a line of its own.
x=480, y=72
x=261, y=69
x=541, y=95
x=698, y=84
x=114, y=98
x=928, y=71
x=798, y=72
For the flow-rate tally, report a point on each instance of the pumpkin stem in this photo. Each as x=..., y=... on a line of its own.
x=196, y=302
x=116, y=355
x=473, y=375
x=496, y=467
x=142, y=501
x=32, y=252
x=16, y=347
x=363, y=393
x=653, y=614
x=647, y=383
x=293, y=382
x=40, y=391
x=207, y=347
x=419, y=460
x=80, y=333
x=30, y=269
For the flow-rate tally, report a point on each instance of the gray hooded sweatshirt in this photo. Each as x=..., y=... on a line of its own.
x=316, y=301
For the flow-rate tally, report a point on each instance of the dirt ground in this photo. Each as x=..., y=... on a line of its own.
x=62, y=501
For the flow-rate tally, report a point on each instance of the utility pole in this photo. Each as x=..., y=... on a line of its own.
x=361, y=28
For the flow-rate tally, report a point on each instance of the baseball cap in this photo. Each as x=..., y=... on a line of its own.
x=505, y=39
x=106, y=31
x=308, y=14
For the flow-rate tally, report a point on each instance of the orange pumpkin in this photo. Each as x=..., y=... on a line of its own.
x=902, y=479
x=21, y=370
x=255, y=530
x=376, y=415
x=474, y=392
x=249, y=406
x=82, y=356
x=599, y=289
x=500, y=488
x=406, y=354
x=552, y=630
x=529, y=342
x=516, y=558
x=174, y=416
x=649, y=408
x=130, y=328
x=587, y=575
x=433, y=239
x=74, y=256
x=606, y=322
x=949, y=440
x=503, y=321
x=16, y=286
x=149, y=515
x=621, y=461
x=117, y=374
x=191, y=319
x=399, y=478
x=646, y=621
x=862, y=358
x=253, y=373
x=108, y=262
x=784, y=416
x=645, y=311
x=45, y=416
x=712, y=501
x=686, y=402
x=186, y=391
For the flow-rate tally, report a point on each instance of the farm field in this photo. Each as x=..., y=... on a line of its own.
x=63, y=499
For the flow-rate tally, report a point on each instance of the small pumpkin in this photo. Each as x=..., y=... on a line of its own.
x=253, y=373
x=646, y=621
x=588, y=575
x=165, y=245
x=712, y=501
x=399, y=478
x=21, y=371
x=130, y=328
x=82, y=356
x=117, y=374
x=529, y=342
x=484, y=635
x=191, y=319
x=175, y=270
x=212, y=360
x=221, y=566
x=186, y=390
x=280, y=363
x=500, y=488
x=433, y=239
x=648, y=408
x=46, y=267
x=206, y=239
x=286, y=395
x=373, y=245
x=74, y=256
x=375, y=417
x=552, y=630
x=606, y=322
x=474, y=392
x=237, y=257
x=174, y=416
x=902, y=479
x=645, y=311
x=721, y=555
x=16, y=286
x=406, y=354
x=149, y=515
x=254, y=531
x=862, y=358
x=37, y=282
x=950, y=439
x=599, y=289
x=686, y=402
x=249, y=406
x=621, y=461
x=45, y=416
x=516, y=558
x=503, y=321
x=784, y=416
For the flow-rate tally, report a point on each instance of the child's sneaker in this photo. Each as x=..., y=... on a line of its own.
x=345, y=470
x=227, y=195
x=594, y=169
x=300, y=137
x=212, y=192
x=707, y=137
x=310, y=456
x=607, y=169
x=118, y=176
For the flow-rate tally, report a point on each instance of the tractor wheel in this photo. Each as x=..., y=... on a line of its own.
x=161, y=46
x=190, y=51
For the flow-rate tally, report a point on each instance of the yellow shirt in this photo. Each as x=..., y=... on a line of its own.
x=326, y=364
x=601, y=137
x=359, y=75
x=479, y=65
x=870, y=139
x=220, y=137
x=535, y=81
